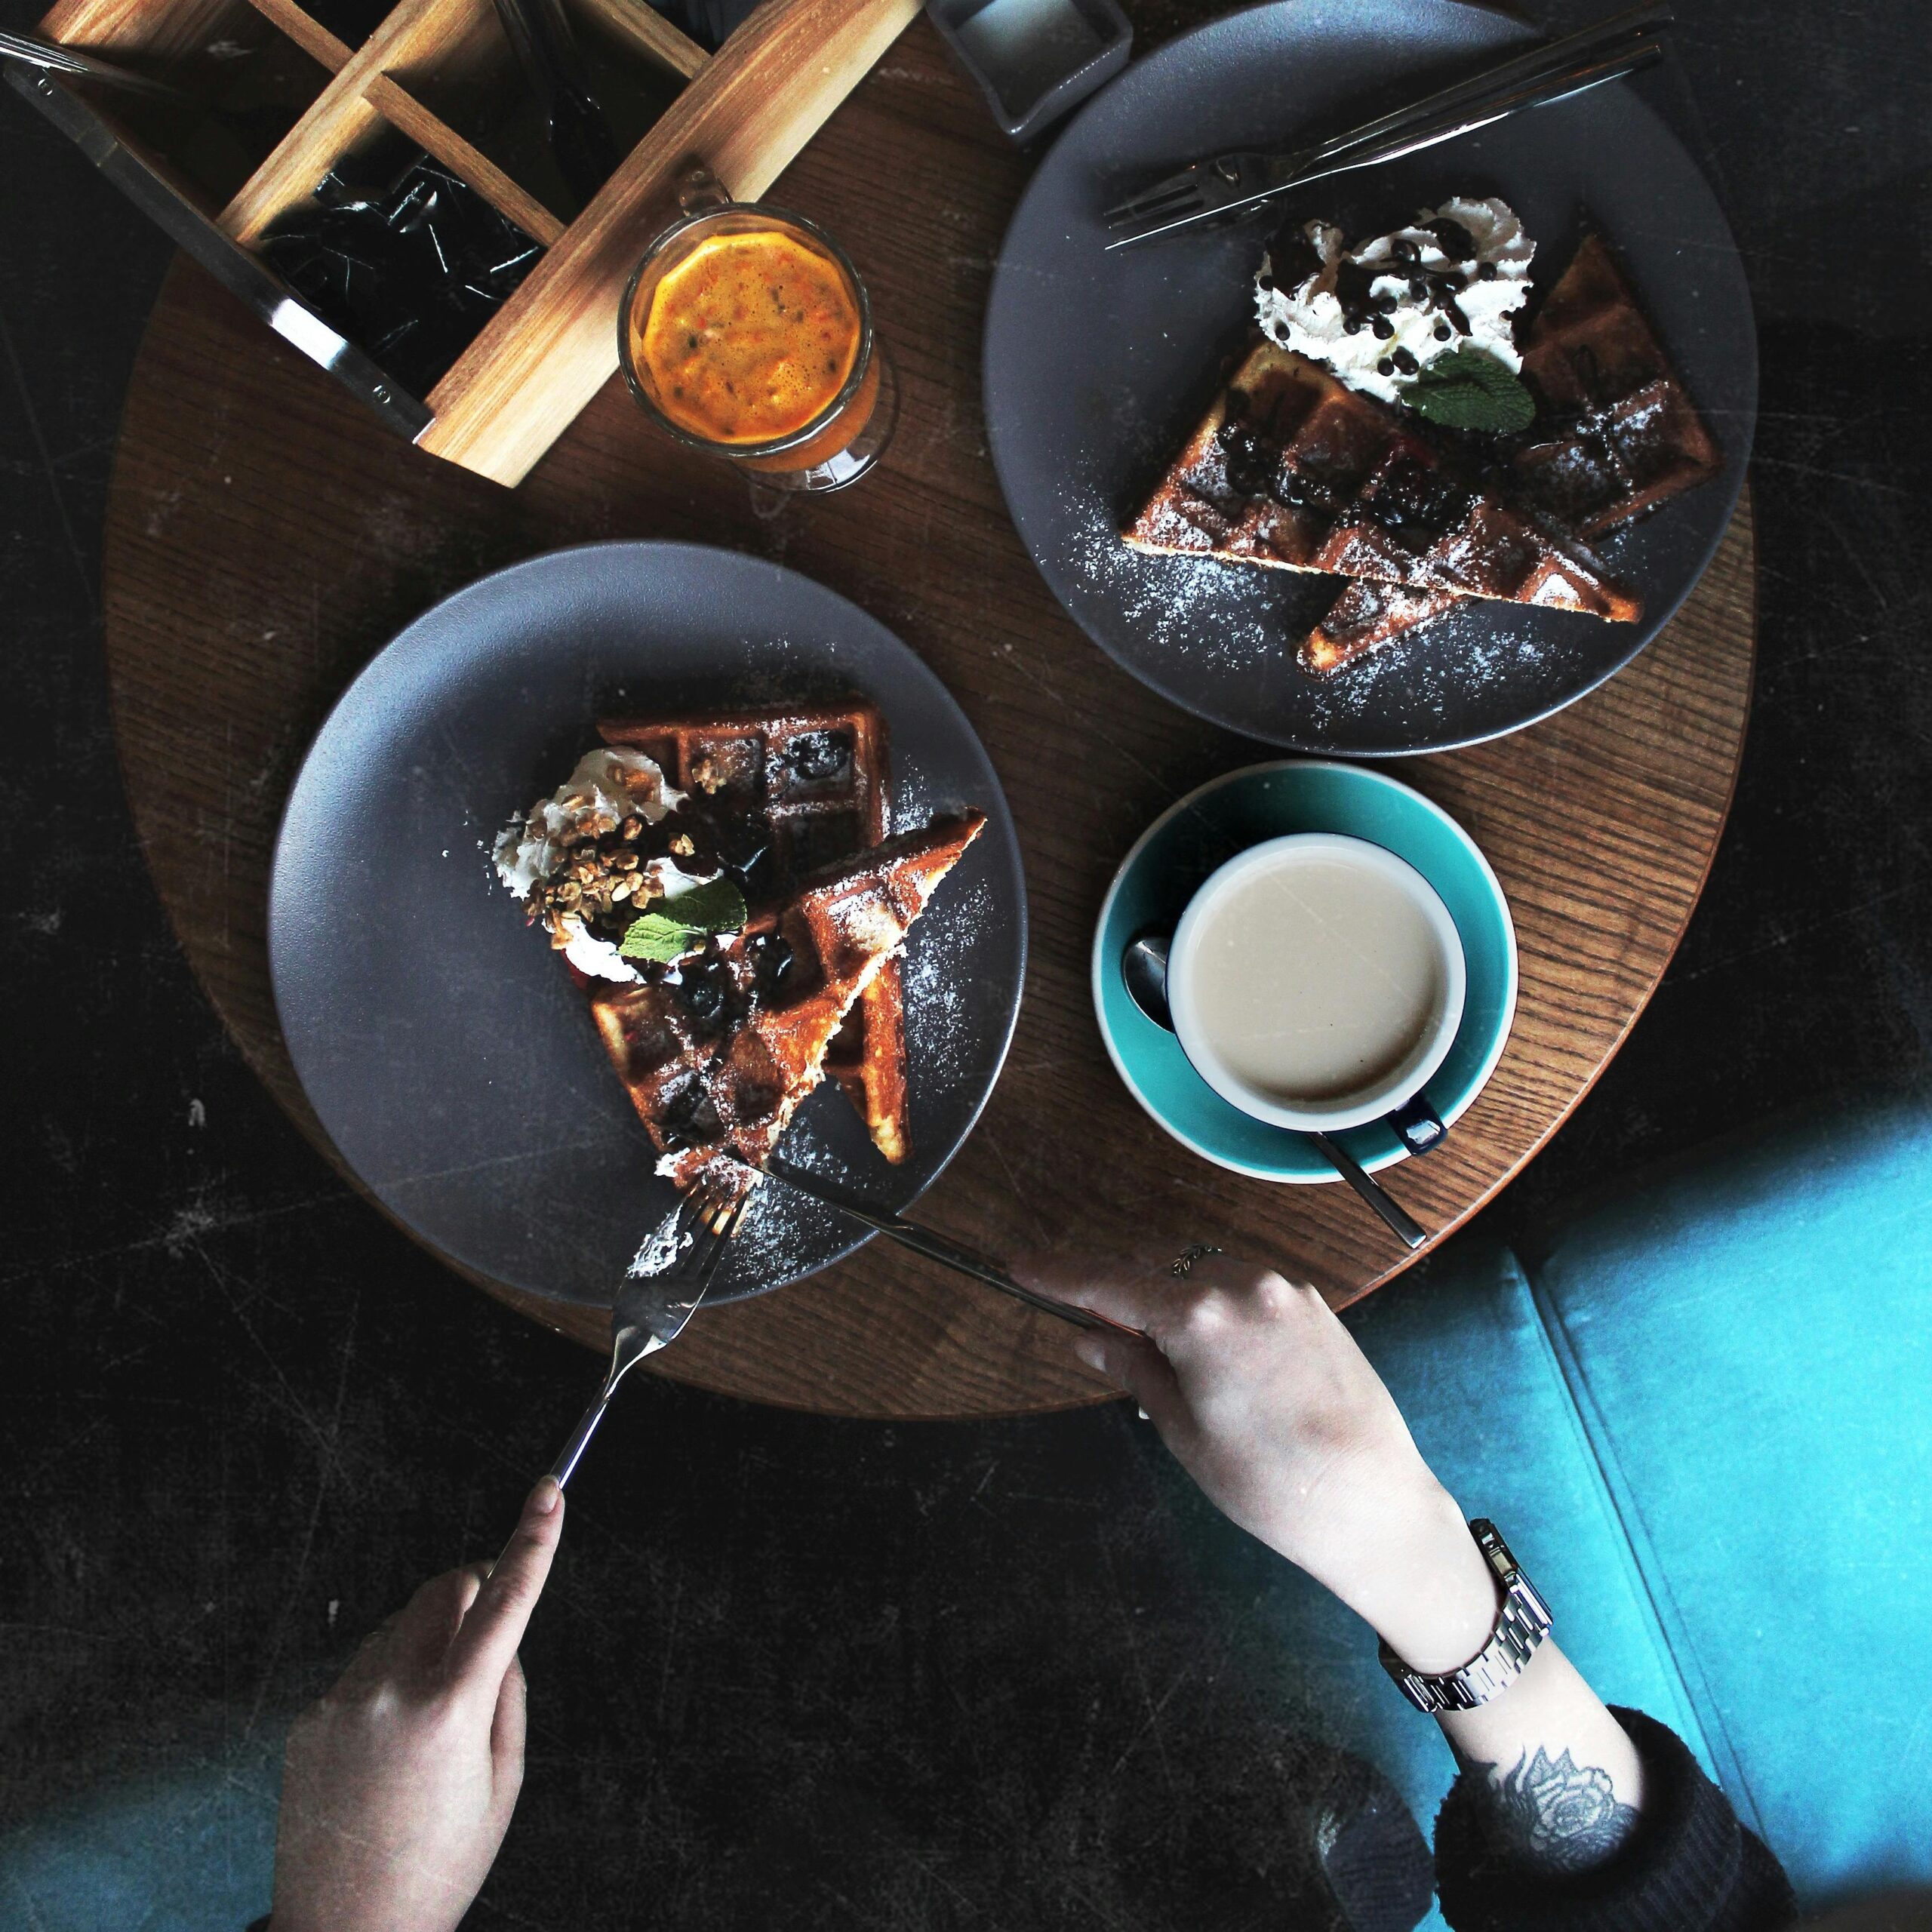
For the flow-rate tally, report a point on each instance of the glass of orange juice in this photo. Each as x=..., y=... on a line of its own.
x=746, y=332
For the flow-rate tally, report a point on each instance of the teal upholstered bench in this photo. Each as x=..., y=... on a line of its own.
x=1702, y=1412
x=189, y=1849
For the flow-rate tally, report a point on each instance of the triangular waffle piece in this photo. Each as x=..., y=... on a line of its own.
x=1363, y=618
x=1292, y=470
x=791, y=791
x=717, y=1052
x=1616, y=435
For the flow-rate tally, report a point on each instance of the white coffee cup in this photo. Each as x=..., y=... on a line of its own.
x=1316, y=981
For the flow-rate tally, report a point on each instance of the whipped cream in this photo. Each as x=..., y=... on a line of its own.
x=1379, y=315
x=609, y=785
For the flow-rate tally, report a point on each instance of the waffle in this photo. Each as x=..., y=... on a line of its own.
x=1363, y=618
x=717, y=1052
x=742, y=771
x=1292, y=470
x=1616, y=435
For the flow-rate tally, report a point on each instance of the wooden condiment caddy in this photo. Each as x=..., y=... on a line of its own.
x=745, y=110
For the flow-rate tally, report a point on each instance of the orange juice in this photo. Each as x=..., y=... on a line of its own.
x=750, y=338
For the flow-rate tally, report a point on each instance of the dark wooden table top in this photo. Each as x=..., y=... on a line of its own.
x=265, y=538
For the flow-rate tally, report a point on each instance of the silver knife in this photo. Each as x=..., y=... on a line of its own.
x=948, y=1252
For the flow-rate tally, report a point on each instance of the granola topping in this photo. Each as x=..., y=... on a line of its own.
x=575, y=858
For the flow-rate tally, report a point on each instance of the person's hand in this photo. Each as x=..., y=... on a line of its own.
x=1265, y=1399
x=398, y=1786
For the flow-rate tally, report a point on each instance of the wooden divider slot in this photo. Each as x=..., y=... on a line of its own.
x=471, y=80
x=415, y=30
x=651, y=34
x=307, y=32
x=403, y=111
x=160, y=33
x=241, y=79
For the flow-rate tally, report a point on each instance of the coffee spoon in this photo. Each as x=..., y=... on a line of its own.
x=1144, y=966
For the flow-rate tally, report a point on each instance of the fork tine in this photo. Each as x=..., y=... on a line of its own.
x=1175, y=197
x=720, y=1239
x=718, y=1223
x=676, y=1228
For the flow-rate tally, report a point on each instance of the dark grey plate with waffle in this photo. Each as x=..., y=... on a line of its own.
x=1083, y=420
x=444, y=1047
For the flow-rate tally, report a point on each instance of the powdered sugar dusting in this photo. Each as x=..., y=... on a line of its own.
x=783, y=1232
x=1183, y=604
x=810, y=1156
x=910, y=805
x=1237, y=619
x=1436, y=665
x=661, y=1247
x=938, y=1025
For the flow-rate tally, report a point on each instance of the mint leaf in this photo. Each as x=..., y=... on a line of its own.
x=673, y=926
x=653, y=936
x=1469, y=389
x=715, y=906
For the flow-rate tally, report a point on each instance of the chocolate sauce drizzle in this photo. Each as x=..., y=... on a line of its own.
x=1293, y=259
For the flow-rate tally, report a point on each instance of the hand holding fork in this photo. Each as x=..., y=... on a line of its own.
x=653, y=1307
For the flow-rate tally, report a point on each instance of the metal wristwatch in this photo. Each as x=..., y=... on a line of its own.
x=1522, y=1621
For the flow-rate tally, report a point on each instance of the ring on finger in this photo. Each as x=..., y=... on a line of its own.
x=1182, y=1264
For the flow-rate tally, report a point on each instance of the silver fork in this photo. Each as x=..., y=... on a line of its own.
x=651, y=1309
x=1204, y=189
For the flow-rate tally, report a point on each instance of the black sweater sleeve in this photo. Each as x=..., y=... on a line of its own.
x=1689, y=1866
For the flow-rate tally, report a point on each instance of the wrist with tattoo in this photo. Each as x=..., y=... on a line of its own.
x=1554, y=1777
x=1556, y=1817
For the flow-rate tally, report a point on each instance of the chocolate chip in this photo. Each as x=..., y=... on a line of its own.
x=1405, y=361
x=1383, y=327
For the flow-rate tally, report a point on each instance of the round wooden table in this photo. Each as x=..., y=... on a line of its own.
x=265, y=537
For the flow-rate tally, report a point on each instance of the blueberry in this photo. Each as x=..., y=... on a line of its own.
x=815, y=756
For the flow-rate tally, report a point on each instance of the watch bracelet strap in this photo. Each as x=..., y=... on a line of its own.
x=1522, y=1621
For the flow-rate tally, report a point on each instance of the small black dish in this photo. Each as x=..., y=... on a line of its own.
x=1035, y=60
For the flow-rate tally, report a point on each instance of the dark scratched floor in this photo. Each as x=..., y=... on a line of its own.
x=793, y=1671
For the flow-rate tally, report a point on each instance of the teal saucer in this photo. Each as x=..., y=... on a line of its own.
x=1190, y=840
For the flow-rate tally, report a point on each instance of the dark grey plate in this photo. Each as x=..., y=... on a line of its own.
x=443, y=1046
x=1098, y=365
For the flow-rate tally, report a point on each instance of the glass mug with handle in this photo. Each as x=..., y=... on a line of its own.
x=745, y=332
